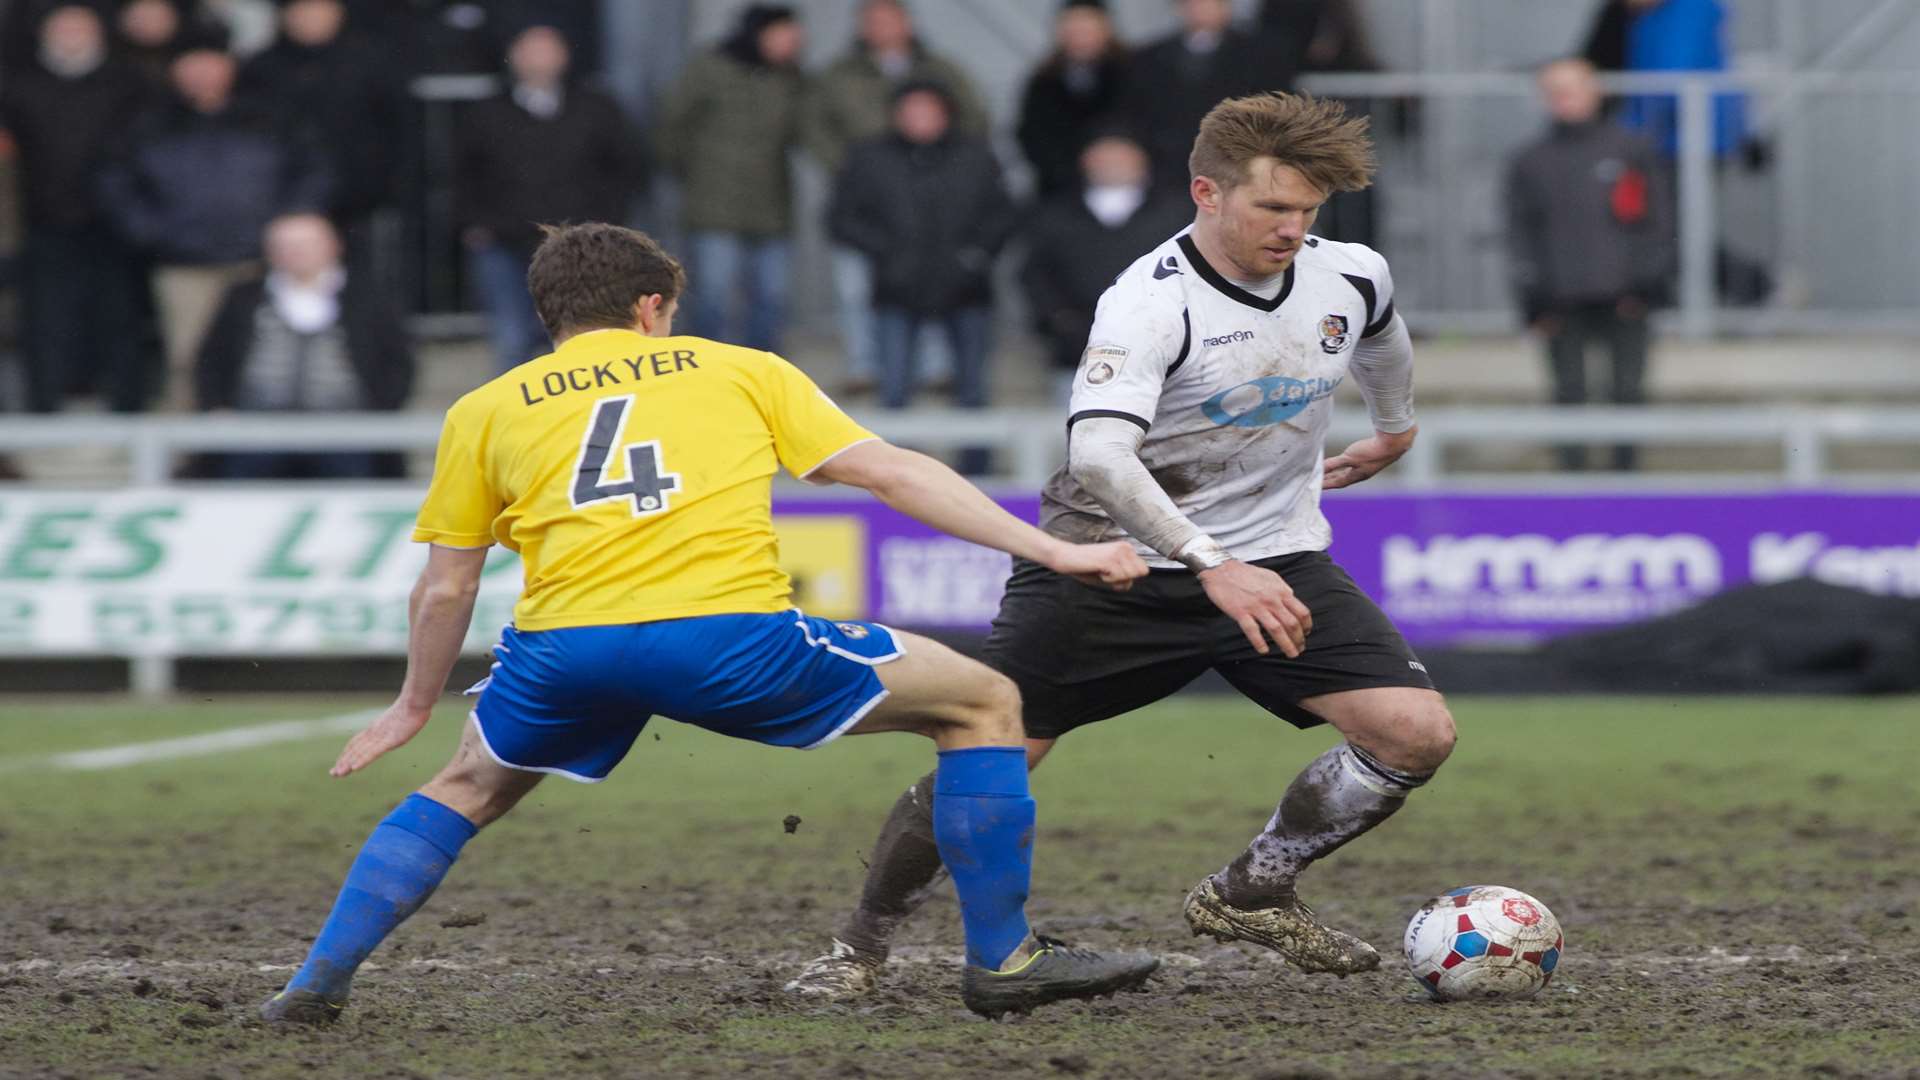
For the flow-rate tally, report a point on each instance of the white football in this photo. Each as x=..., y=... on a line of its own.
x=1483, y=941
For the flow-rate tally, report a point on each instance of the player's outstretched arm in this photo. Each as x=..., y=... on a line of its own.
x=1105, y=454
x=438, y=614
x=1366, y=458
x=1383, y=369
x=928, y=491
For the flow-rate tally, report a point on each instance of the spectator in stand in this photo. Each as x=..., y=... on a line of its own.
x=1591, y=244
x=851, y=101
x=726, y=132
x=926, y=206
x=1175, y=81
x=348, y=89
x=1077, y=89
x=199, y=179
x=1078, y=242
x=549, y=149
x=1668, y=35
x=306, y=337
x=149, y=33
x=80, y=283
x=1331, y=35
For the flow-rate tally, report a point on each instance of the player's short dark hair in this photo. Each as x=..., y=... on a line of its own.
x=1331, y=149
x=590, y=276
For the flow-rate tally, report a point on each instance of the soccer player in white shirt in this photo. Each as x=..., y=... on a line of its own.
x=1198, y=419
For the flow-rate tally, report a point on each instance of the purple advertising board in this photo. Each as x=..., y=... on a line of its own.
x=1451, y=568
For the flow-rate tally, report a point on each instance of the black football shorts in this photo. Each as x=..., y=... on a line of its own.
x=1081, y=654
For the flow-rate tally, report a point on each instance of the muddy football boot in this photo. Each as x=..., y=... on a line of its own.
x=840, y=975
x=300, y=1007
x=1291, y=931
x=1051, y=971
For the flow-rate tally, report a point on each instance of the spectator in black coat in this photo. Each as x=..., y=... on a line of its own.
x=1173, y=82
x=1076, y=90
x=200, y=178
x=348, y=88
x=306, y=337
x=547, y=150
x=1591, y=243
x=1079, y=242
x=927, y=206
x=149, y=33
x=80, y=283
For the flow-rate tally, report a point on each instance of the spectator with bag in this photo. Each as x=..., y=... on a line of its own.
x=1590, y=242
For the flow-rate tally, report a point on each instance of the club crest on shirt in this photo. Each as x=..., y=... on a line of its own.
x=853, y=630
x=1333, y=333
x=1103, y=363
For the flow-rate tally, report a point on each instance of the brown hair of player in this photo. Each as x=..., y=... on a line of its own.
x=591, y=276
x=1314, y=135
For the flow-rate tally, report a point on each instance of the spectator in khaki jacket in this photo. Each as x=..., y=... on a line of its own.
x=725, y=133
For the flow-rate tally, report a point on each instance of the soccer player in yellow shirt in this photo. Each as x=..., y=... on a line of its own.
x=631, y=468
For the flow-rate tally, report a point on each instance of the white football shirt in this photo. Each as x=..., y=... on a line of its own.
x=1234, y=391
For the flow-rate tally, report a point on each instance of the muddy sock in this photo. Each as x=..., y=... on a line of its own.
x=983, y=822
x=1341, y=794
x=902, y=872
x=397, y=869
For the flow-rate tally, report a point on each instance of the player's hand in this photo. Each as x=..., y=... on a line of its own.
x=1262, y=603
x=1115, y=565
x=1365, y=458
x=390, y=731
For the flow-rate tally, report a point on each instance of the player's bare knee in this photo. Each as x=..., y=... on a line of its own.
x=1416, y=740
x=994, y=715
x=1428, y=738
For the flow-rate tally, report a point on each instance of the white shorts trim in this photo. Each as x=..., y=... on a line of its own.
x=846, y=725
x=474, y=716
x=899, y=650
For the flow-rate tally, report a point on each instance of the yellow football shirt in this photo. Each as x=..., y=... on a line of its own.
x=634, y=476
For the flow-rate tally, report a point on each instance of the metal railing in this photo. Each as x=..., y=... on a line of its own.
x=1030, y=443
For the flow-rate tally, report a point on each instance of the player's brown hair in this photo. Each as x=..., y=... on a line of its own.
x=1316, y=136
x=589, y=276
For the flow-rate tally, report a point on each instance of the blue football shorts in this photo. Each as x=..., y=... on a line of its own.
x=572, y=701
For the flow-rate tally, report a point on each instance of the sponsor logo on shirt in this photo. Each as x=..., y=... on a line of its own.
x=1103, y=363
x=1333, y=333
x=1228, y=339
x=1272, y=400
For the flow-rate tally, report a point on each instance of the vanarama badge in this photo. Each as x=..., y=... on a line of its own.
x=1103, y=363
x=1333, y=333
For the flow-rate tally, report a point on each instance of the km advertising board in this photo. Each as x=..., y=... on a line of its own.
x=228, y=572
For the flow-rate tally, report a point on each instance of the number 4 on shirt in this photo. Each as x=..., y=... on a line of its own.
x=646, y=484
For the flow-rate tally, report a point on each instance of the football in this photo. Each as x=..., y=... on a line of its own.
x=1483, y=941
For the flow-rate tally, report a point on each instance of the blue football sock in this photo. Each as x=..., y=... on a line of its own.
x=983, y=823
x=397, y=869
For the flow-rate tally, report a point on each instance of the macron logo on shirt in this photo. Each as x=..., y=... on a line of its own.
x=1166, y=269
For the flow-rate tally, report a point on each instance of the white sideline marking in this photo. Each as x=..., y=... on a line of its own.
x=215, y=742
